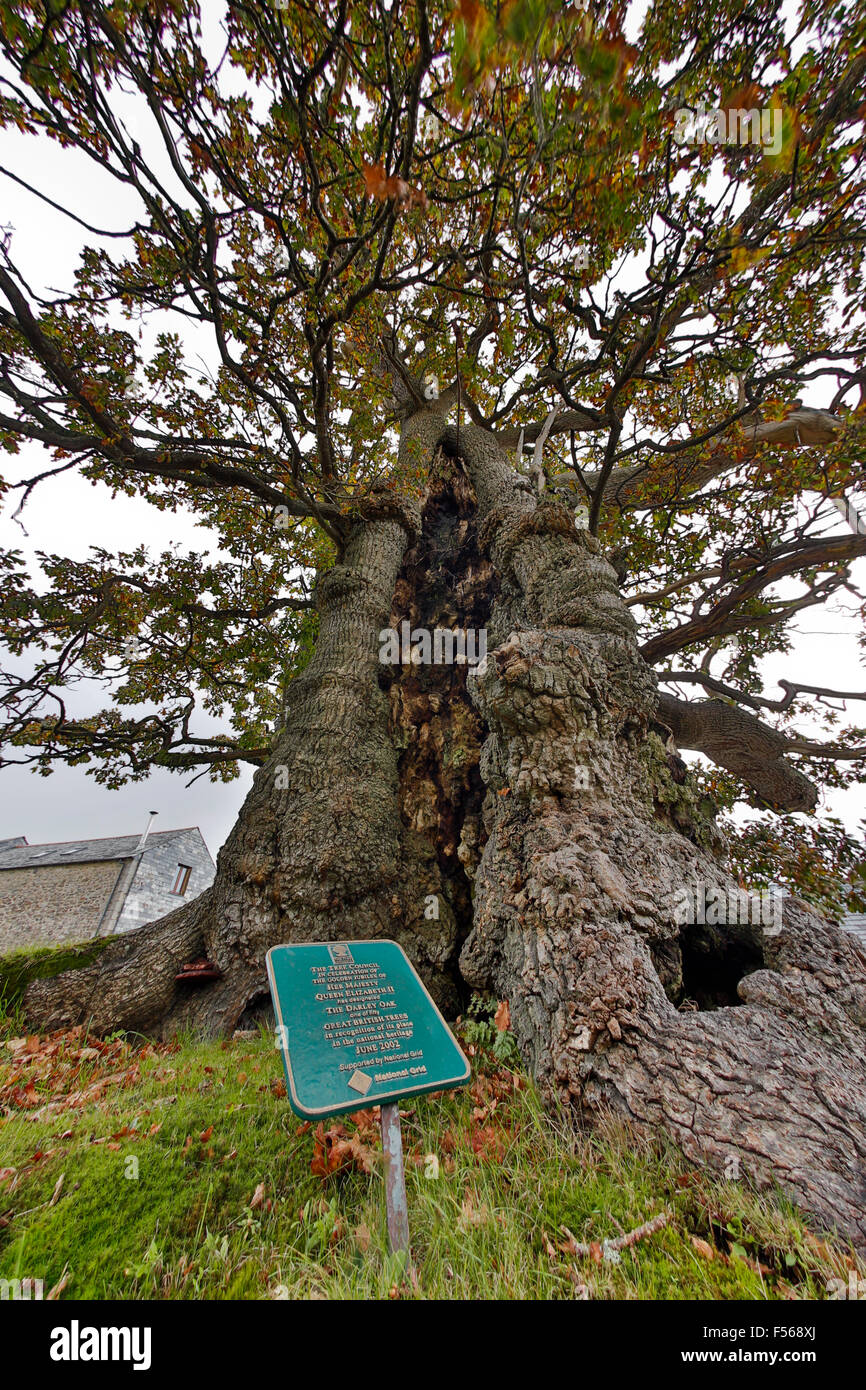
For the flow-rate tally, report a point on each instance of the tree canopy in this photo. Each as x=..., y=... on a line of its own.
x=340, y=214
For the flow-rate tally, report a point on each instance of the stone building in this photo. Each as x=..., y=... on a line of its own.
x=855, y=922
x=79, y=889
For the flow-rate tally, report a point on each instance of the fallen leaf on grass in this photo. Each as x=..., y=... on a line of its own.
x=819, y=1246
x=258, y=1196
x=688, y=1179
x=206, y=1134
x=703, y=1248
x=549, y=1248
x=57, y=1289
x=334, y=1151
x=487, y=1144
x=366, y=1122
x=447, y=1142
x=491, y=1087
x=472, y=1215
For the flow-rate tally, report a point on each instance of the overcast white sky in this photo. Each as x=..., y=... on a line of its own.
x=68, y=515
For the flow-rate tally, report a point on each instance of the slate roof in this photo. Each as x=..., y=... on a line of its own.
x=24, y=856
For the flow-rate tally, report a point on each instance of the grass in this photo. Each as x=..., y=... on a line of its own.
x=18, y=968
x=186, y=1175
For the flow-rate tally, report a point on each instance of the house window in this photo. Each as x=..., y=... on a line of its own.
x=182, y=881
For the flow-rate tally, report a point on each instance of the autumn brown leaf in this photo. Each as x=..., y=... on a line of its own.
x=472, y=1214
x=57, y=1289
x=746, y=97
x=381, y=186
x=366, y=1122
x=487, y=1144
x=375, y=180
x=334, y=1151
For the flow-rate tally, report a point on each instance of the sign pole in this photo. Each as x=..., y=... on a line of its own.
x=357, y=1028
x=396, y=1202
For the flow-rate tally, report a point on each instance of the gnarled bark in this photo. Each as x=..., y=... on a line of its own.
x=556, y=852
x=575, y=922
x=319, y=851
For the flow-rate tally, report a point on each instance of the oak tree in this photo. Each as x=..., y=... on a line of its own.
x=499, y=318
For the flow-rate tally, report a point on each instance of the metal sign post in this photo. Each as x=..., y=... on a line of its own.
x=357, y=1028
x=396, y=1201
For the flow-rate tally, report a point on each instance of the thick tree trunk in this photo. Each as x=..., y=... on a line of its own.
x=576, y=893
x=555, y=833
x=353, y=826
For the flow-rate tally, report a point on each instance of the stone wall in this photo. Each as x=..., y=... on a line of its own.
x=54, y=902
x=150, y=896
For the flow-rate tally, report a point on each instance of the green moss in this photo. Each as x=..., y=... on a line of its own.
x=220, y=1201
x=18, y=968
x=684, y=803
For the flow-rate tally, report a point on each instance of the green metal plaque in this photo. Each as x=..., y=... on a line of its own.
x=356, y=1027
